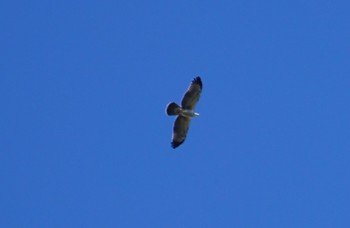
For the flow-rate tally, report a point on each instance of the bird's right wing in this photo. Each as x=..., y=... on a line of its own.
x=192, y=95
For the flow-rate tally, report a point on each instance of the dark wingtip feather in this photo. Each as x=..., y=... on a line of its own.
x=176, y=144
x=198, y=81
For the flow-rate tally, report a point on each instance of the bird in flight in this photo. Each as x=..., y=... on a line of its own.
x=185, y=112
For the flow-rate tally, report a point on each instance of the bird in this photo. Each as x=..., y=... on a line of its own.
x=185, y=112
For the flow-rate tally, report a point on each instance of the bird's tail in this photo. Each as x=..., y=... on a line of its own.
x=173, y=109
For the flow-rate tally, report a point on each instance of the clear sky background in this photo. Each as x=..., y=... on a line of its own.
x=85, y=141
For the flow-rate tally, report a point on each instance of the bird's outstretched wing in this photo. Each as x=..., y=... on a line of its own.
x=180, y=131
x=192, y=94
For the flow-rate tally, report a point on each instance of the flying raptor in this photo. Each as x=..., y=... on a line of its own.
x=185, y=112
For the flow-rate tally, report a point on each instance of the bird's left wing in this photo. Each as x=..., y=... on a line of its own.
x=180, y=130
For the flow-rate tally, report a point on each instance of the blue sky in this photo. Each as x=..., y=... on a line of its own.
x=85, y=141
